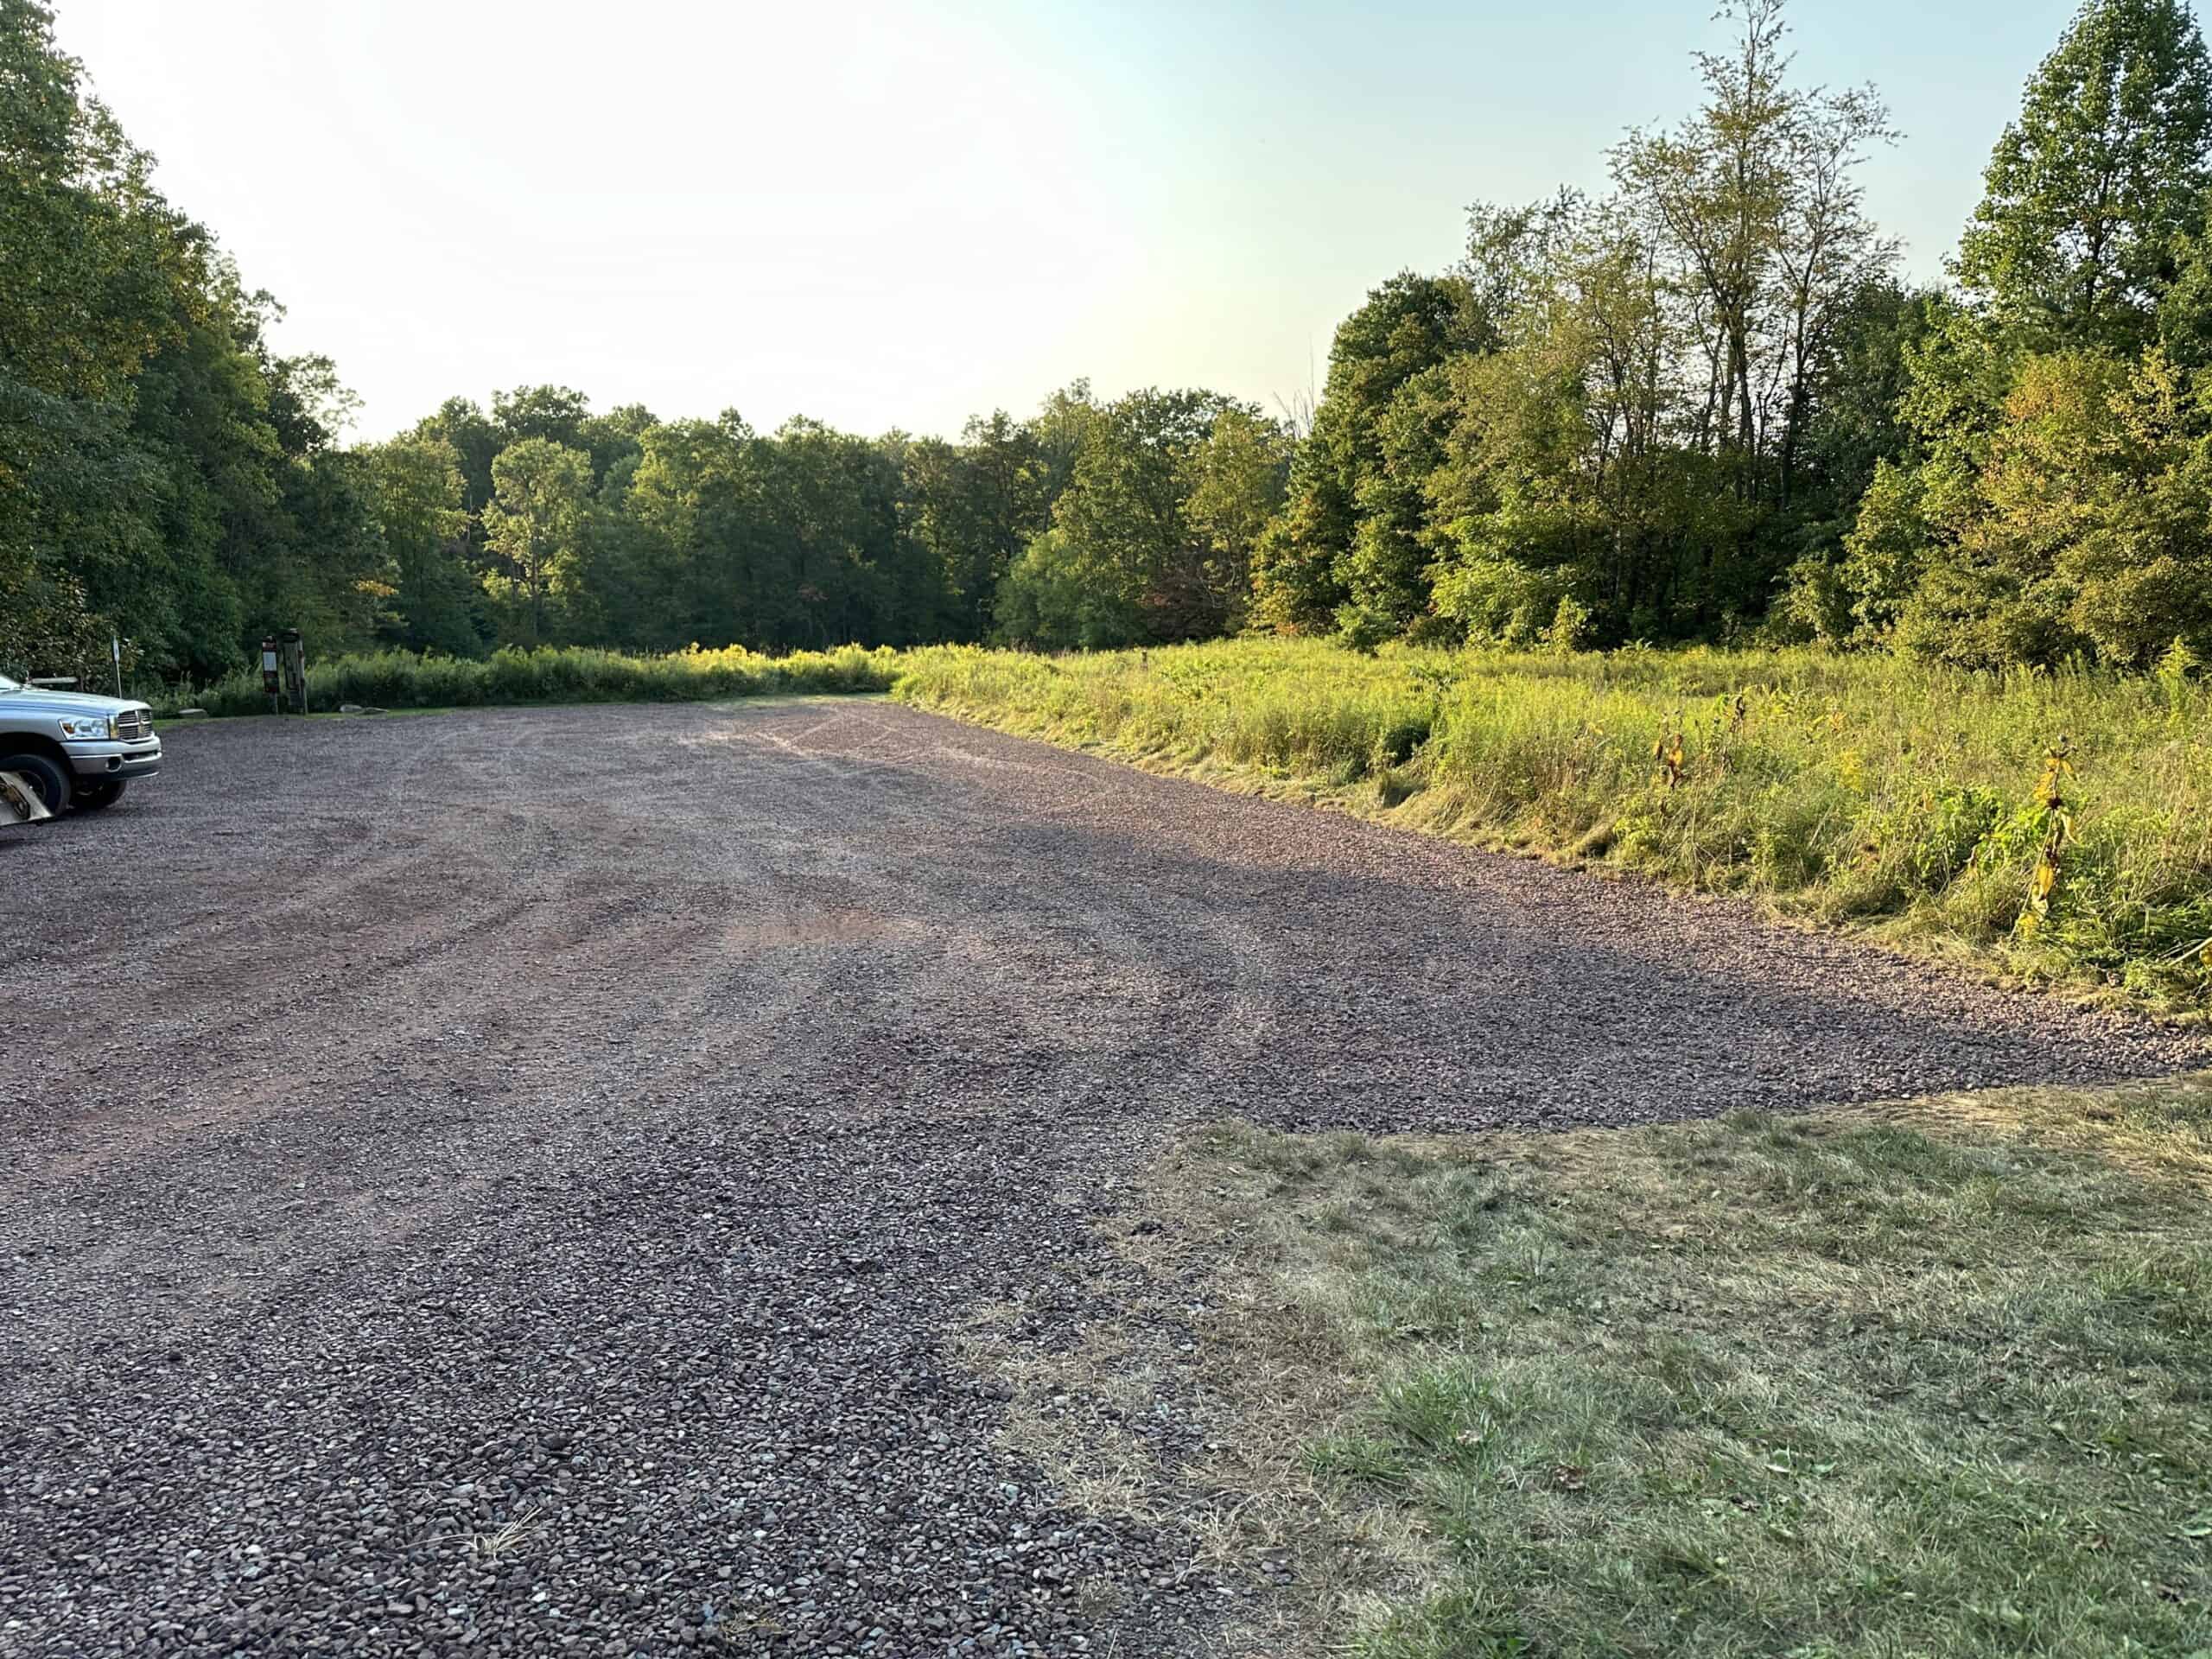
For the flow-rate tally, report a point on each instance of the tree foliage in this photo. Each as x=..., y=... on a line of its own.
x=535, y=527
x=2047, y=502
x=2090, y=193
x=1632, y=406
x=1152, y=538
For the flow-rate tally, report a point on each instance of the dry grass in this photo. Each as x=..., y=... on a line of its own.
x=1216, y=1353
x=504, y=1542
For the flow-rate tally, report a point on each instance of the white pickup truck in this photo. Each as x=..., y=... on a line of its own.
x=59, y=749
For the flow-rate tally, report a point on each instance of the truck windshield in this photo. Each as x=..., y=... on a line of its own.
x=7, y=685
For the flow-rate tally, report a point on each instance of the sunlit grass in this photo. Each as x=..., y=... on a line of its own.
x=1930, y=1383
x=563, y=674
x=1843, y=788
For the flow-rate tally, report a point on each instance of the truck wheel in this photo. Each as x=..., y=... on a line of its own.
x=43, y=775
x=104, y=792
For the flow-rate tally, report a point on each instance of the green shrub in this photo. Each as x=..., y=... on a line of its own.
x=554, y=674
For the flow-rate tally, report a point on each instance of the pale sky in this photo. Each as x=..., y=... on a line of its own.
x=887, y=214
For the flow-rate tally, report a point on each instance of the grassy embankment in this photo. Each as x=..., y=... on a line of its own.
x=1861, y=790
x=1870, y=1385
x=567, y=674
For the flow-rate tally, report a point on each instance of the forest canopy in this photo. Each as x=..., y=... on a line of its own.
x=1699, y=404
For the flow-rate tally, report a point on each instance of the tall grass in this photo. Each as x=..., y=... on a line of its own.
x=1858, y=788
x=567, y=674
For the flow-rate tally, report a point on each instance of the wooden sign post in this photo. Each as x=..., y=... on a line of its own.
x=294, y=651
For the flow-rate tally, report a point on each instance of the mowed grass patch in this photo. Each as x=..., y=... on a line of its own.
x=2050, y=826
x=1931, y=1382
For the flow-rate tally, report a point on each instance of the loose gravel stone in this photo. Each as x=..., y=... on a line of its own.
x=510, y=1183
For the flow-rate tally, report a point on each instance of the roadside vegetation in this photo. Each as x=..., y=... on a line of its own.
x=399, y=679
x=2056, y=824
x=1917, y=1381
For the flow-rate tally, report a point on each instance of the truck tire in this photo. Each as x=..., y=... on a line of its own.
x=100, y=794
x=48, y=780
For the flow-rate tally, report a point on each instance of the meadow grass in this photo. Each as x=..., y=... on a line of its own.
x=2052, y=824
x=399, y=679
x=1927, y=1382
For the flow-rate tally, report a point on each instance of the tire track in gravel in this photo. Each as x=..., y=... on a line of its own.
x=509, y=1182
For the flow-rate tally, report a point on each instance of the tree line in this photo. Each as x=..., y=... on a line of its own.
x=167, y=475
x=1703, y=406
x=1700, y=404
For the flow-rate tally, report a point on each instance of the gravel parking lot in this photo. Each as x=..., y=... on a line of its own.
x=511, y=1181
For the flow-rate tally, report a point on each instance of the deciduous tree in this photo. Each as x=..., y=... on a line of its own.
x=535, y=526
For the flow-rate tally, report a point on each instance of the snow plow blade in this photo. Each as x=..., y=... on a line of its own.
x=19, y=801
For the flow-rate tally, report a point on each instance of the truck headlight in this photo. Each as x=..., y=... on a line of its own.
x=88, y=727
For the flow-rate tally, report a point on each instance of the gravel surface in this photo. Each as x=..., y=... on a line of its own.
x=509, y=1182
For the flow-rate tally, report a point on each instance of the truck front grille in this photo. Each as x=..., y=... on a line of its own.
x=133, y=724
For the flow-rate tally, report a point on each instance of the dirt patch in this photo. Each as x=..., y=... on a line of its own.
x=1186, y=1406
x=799, y=926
